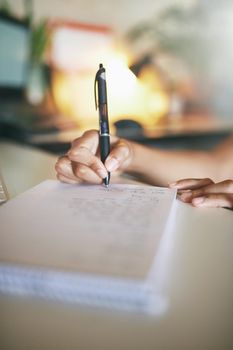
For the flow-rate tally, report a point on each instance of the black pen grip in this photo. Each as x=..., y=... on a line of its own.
x=104, y=147
x=104, y=152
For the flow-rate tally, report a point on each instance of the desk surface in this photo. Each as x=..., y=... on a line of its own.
x=167, y=127
x=199, y=287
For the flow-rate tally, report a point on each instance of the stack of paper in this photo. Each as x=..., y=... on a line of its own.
x=84, y=243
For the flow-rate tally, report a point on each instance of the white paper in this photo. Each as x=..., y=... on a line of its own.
x=87, y=244
x=111, y=231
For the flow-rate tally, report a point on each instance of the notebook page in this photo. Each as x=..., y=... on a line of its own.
x=111, y=231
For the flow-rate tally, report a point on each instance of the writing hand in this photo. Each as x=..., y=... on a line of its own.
x=205, y=193
x=82, y=162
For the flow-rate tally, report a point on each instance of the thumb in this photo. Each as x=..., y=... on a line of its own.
x=119, y=157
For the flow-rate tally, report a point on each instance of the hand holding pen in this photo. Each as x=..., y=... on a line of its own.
x=82, y=163
x=102, y=105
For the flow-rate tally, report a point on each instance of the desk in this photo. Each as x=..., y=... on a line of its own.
x=23, y=167
x=200, y=287
x=190, y=131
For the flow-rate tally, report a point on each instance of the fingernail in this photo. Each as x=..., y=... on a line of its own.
x=171, y=184
x=111, y=164
x=102, y=173
x=186, y=197
x=198, y=200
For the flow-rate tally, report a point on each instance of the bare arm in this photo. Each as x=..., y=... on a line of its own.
x=156, y=166
x=163, y=166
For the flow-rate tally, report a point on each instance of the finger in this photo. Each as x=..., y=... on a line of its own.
x=89, y=139
x=224, y=200
x=225, y=186
x=114, y=139
x=119, y=156
x=81, y=154
x=191, y=184
x=86, y=174
x=221, y=187
x=67, y=180
x=64, y=168
x=185, y=197
x=85, y=150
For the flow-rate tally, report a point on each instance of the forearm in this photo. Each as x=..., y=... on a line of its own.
x=160, y=167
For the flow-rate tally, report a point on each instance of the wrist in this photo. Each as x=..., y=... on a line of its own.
x=137, y=155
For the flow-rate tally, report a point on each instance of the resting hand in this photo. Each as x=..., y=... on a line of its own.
x=205, y=193
x=82, y=162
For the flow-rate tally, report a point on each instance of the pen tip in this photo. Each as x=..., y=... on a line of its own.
x=106, y=181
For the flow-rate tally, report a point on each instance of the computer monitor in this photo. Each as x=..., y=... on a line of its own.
x=14, y=55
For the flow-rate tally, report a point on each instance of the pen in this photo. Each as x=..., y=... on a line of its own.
x=101, y=104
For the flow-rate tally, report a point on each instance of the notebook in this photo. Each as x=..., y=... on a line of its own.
x=86, y=244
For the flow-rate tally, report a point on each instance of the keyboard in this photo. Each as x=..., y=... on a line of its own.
x=3, y=191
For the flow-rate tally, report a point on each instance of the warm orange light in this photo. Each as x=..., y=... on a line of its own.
x=128, y=97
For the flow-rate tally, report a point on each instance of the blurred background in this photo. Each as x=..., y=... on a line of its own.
x=169, y=74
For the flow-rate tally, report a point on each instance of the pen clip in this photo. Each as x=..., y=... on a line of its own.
x=96, y=80
x=100, y=70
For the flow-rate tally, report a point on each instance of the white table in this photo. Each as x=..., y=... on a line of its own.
x=199, y=289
